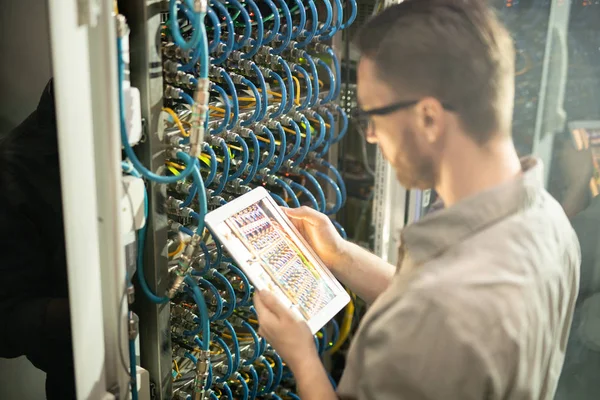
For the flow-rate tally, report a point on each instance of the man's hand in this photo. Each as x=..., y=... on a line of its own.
x=285, y=331
x=319, y=232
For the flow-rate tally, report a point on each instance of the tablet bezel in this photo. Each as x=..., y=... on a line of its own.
x=217, y=217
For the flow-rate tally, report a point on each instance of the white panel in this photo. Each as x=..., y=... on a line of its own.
x=70, y=61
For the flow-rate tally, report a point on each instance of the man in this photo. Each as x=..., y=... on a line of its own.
x=482, y=299
x=34, y=304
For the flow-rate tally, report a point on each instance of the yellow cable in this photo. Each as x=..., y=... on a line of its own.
x=345, y=328
x=297, y=82
x=177, y=121
x=174, y=165
x=173, y=170
x=177, y=369
x=178, y=250
x=317, y=121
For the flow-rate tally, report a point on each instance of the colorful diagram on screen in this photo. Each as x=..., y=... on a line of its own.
x=272, y=247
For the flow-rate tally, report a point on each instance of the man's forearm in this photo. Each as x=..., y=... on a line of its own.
x=312, y=381
x=363, y=272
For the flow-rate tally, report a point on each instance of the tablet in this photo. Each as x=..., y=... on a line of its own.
x=275, y=257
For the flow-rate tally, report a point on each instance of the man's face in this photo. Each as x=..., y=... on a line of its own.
x=399, y=134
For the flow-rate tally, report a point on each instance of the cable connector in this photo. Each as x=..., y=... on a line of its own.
x=201, y=6
x=172, y=92
x=133, y=326
x=216, y=140
x=243, y=132
x=285, y=120
x=201, y=374
x=122, y=27
x=297, y=116
x=171, y=67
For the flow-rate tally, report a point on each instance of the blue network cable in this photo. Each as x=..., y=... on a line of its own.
x=314, y=23
x=283, y=98
x=256, y=43
x=338, y=177
x=278, y=199
x=234, y=100
x=245, y=300
x=229, y=44
x=255, y=160
x=344, y=127
x=213, y=163
x=227, y=352
x=175, y=29
x=227, y=391
x=187, y=98
x=271, y=153
x=214, y=19
x=353, y=12
x=276, y=23
x=290, y=89
x=230, y=292
x=269, y=382
x=302, y=23
x=202, y=311
x=227, y=105
x=306, y=192
x=243, y=384
x=133, y=369
x=332, y=83
x=236, y=345
x=263, y=89
x=338, y=22
x=340, y=229
x=225, y=173
x=338, y=193
x=315, y=81
x=289, y=191
x=245, y=156
x=297, y=141
x=287, y=36
x=257, y=110
x=256, y=381
x=202, y=201
x=216, y=295
x=322, y=133
x=329, y=141
x=328, y=19
x=256, y=341
x=282, y=145
x=308, y=139
x=320, y=193
x=247, y=25
x=278, y=369
x=338, y=71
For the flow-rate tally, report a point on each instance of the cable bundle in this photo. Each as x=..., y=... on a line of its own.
x=249, y=100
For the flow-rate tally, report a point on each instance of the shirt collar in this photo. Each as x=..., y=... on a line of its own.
x=435, y=233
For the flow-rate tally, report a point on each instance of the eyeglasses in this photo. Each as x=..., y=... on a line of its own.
x=363, y=119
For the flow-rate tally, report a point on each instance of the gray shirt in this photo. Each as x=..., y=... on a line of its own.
x=481, y=304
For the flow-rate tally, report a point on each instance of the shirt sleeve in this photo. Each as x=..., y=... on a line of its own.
x=415, y=352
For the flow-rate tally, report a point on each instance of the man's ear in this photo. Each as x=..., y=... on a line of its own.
x=430, y=119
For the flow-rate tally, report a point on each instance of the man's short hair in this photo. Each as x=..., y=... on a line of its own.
x=454, y=50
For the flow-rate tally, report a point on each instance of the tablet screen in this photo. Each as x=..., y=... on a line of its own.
x=267, y=247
